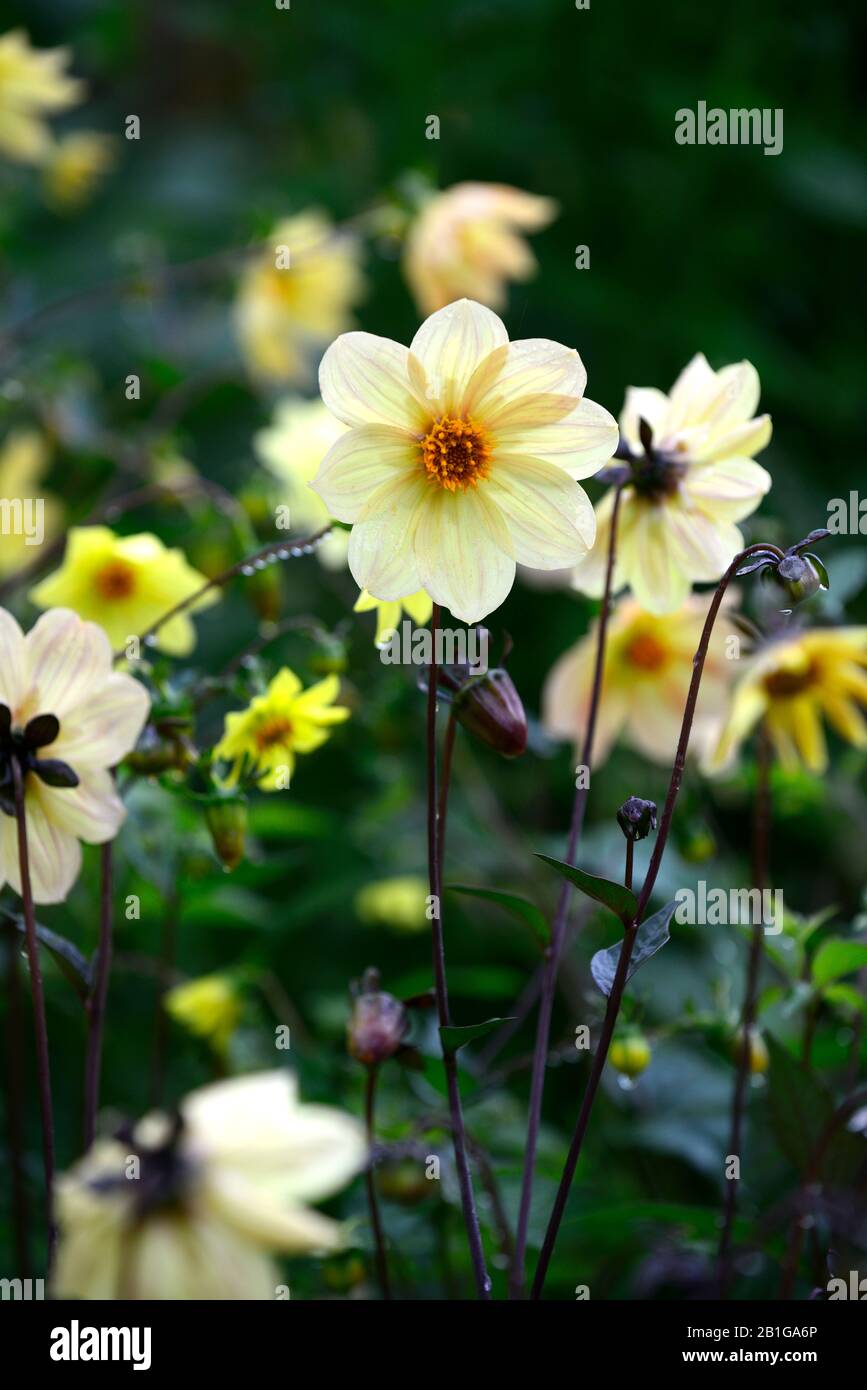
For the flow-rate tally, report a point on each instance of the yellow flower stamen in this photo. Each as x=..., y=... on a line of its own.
x=456, y=453
x=645, y=652
x=115, y=580
x=784, y=685
x=272, y=731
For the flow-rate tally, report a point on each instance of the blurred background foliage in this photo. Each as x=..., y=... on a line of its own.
x=248, y=114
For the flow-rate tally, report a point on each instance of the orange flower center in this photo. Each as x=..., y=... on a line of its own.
x=116, y=580
x=275, y=730
x=646, y=652
x=784, y=685
x=456, y=453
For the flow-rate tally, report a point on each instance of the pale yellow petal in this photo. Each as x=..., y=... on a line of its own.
x=463, y=553
x=364, y=380
x=358, y=463
x=580, y=442
x=382, y=545
x=451, y=344
x=549, y=517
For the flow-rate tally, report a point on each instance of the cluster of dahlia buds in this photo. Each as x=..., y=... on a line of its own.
x=226, y=818
x=486, y=703
x=637, y=818
x=165, y=746
x=800, y=575
x=23, y=746
x=379, y=1022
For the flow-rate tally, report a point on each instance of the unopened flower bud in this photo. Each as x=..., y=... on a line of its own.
x=801, y=576
x=630, y=1055
x=226, y=817
x=490, y=708
x=637, y=818
x=378, y=1023
x=758, y=1058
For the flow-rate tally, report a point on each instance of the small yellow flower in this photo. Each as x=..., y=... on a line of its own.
x=388, y=612
x=23, y=461
x=284, y=721
x=648, y=668
x=209, y=1007
x=63, y=709
x=75, y=166
x=759, y=1057
x=33, y=85
x=292, y=448
x=125, y=583
x=789, y=685
x=216, y=1193
x=400, y=903
x=297, y=295
x=677, y=519
x=461, y=458
x=465, y=243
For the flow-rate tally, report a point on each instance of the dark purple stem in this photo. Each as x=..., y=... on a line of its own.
x=468, y=1204
x=558, y=930
x=370, y=1184
x=15, y=1052
x=97, y=1001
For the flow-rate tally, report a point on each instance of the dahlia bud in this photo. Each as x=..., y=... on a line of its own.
x=490, y=708
x=630, y=1055
x=226, y=818
x=378, y=1023
x=637, y=818
x=801, y=576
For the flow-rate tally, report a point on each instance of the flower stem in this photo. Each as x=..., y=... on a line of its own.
x=446, y=780
x=471, y=1220
x=370, y=1183
x=761, y=835
x=14, y=1103
x=168, y=951
x=558, y=930
x=43, y=1068
x=97, y=1001
x=617, y=988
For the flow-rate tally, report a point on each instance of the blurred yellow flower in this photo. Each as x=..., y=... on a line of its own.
x=67, y=718
x=33, y=85
x=275, y=726
x=648, y=668
x=216, y=1193
x=292, y=448
x=23, y=461
x=678, y=514
x=125, y=583
x=418, y=606
x=461, y=458
x=209, y=1007
x=75, y=166
x=296, y=295
x=399, y=902
x=789, y=685
x=465, y=243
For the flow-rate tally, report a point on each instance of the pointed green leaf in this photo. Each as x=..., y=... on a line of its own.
x=521, y=908
x=652, y=936
x=453, y=1038
x=837, y=957
x=615, y=896
x=846, y=998
x=70, y=961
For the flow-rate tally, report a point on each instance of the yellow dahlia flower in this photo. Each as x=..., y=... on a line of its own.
x=209, y=1007
x=125, y=583
x=789, y=685
x=33, y=84
x=284, y=721
x=400, y=903
x=23, y=461
x=292, y=448
x=465, y=243
x=75, y=166
x=67, y=718
x=461, y=458
x=697, y=479
x=648, y=668
x=193, y=1209
x=418, y=606
x=284, y=312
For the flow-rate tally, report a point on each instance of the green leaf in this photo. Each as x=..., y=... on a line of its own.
x=526, y=912
x=652, y=936
x=70, y=961
x=845, y=997
x=620, y=899
x=453, y=1038
x=837, y=957
x=799, y=1105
